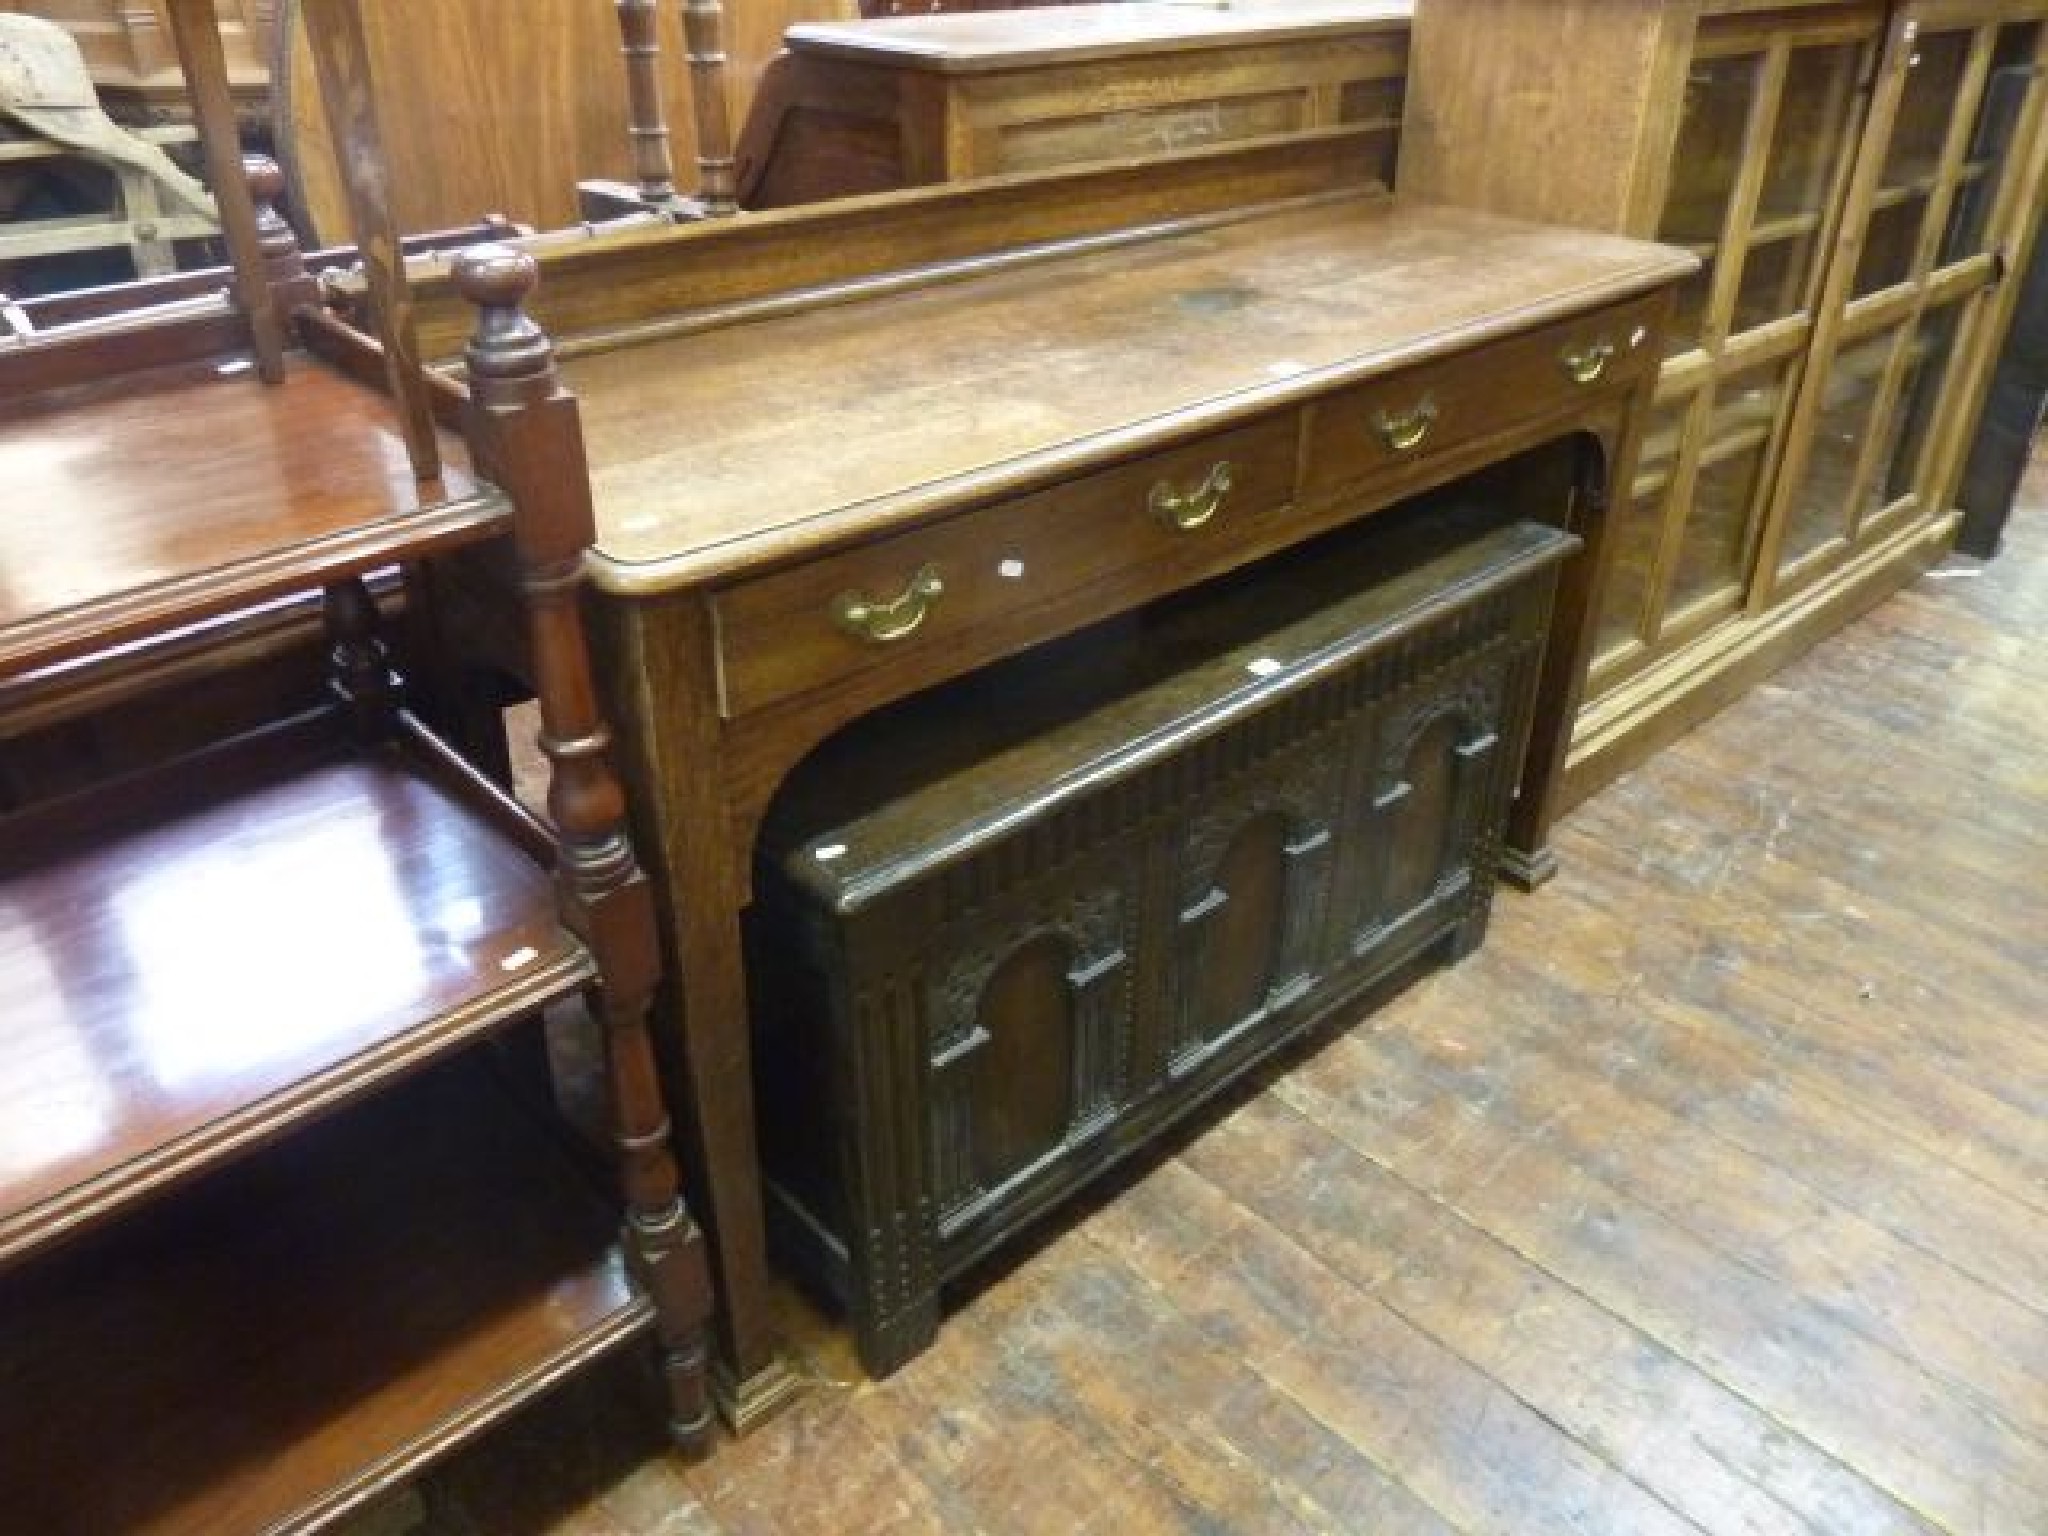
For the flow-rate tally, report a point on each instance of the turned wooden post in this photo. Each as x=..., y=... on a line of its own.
x=359, y=673
x=646, y=121
x=284, y=264
x=704, y=45
x=528, y=440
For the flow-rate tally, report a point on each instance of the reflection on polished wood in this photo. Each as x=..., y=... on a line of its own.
x=251, y=949
x=199, y=491
x=1706, y=1197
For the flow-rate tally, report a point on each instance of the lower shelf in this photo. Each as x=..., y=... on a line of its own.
x=282, y=1341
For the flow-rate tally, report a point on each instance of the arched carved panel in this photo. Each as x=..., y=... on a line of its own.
x=1432, y=783
x=1030, y=1042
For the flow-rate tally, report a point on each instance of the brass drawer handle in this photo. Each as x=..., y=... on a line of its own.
x=1189, y=510
x=1404, y=431
x=1585, y=365
x=880, y=622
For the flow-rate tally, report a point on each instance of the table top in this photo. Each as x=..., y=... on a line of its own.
x=983, y=41
x=172, y=498
x=722, y=450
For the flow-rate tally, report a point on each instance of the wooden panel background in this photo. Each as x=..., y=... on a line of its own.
x=482, y=114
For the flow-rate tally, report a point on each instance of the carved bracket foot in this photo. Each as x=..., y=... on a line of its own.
x=746, y=1403
x=1525, y=870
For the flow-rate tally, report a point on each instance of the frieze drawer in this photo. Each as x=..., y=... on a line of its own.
x=1007, y=932
x=959, y=592
x=1418, y=411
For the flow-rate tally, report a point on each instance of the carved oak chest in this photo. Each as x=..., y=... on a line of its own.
x=1006, y=932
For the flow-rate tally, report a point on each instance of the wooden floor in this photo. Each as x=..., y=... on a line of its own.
x=1711, y=1195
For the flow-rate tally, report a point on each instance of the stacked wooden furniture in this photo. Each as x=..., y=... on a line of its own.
x=845, y=453
x=866, y=106
x=1858, y=179
x=965, y=422
x=276, y=1228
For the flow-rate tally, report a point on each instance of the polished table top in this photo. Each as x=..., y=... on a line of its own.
x=715, y=451
x=179, y=496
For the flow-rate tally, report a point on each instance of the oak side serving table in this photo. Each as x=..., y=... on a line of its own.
x=841, y=454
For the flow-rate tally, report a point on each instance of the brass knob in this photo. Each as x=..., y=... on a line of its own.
x=1585, y=365
x=879, y=621
x=1404, y=431
x=1189, y=510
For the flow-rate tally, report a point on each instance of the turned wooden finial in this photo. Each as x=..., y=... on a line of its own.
x=507, y=345
x=284, y=264
x=266, y=185
x=646, y=121
x=704, y=45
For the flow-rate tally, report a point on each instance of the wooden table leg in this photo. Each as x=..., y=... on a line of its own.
x=660, y=668
x=1526, y=857
x=1601, y=486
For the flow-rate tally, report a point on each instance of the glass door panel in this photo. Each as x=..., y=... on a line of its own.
x=2013, y=73
x=1639, y=532
x=1820, y=510
x=1719, y=95
x=1714, y=555
x=1913, y=417
x=1934, y=79
x=1815, y=109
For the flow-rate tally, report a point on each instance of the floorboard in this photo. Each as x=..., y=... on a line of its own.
x=1710, y=1196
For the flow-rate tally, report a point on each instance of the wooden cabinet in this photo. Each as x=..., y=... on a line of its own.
x=1856, y=179
x=866, y=106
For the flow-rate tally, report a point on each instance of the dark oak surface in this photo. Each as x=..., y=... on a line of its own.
x=314, y=1321
x=178, y=984
x=1027, y=375
x=144, y=504
x=1727, y=1216
x=1116, y=873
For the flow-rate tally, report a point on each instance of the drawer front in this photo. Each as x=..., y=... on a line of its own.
x=957, y=592
x=1420, y=411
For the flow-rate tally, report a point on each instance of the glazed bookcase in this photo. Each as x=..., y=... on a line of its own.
x=1857, y=179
